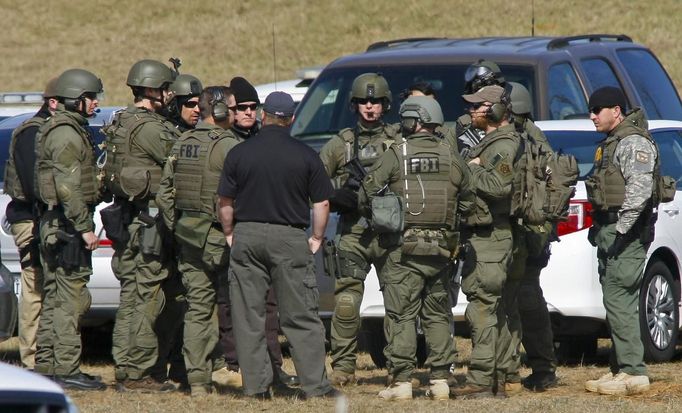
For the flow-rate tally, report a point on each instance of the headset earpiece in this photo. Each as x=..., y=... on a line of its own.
x=219, y=109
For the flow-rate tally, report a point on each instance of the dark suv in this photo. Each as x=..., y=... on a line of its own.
x=559, y=72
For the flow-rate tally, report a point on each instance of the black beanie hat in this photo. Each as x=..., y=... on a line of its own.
x=243, y=90
x=608, y=97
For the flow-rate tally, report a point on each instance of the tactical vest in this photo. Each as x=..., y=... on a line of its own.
x=430, y=198
x=128, y=176
x=45, y=185
x=12, y=184
x=606, y=186
x=195, y=183
x=372, y=151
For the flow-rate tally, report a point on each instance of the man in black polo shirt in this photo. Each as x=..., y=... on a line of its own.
x=266, y=186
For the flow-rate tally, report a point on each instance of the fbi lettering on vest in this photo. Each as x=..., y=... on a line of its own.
x=424, y=165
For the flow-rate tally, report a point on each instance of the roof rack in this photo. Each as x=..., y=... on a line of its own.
x=391, y=43
x=561, y=42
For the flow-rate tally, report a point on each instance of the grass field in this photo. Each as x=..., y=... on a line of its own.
x=665, y=394
x=219, y=39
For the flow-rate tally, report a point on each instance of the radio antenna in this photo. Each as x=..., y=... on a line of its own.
x=274, y=56
x=532, y=18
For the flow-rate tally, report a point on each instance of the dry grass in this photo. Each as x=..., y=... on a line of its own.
x=218, y=39
x=665, y=394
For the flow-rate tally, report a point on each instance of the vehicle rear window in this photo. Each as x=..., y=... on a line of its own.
x=599, y=73
x=565, y=94
x=655, y=89
x=325, y=109
x=670, y=148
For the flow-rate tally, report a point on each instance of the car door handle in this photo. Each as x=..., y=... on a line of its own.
x=672, y=212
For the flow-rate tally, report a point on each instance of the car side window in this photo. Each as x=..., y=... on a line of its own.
x=566, y=97
x=670, y=149
x=654, y=87
x=599, y=73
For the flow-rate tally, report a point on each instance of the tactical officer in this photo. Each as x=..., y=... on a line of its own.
x=621, y=191
x=18, y=183
x=138, y=143
x=183, y=107
x=425, y=89
x=490, y=239
x=267, y=184
x=203, y=254
x=246, y=125
x=480, y=74
x=428, y=176
x=527, y=315
x=358, y=247
x=68, y=190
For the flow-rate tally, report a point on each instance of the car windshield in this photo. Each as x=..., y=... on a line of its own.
x=583, y=144
x=325, y=111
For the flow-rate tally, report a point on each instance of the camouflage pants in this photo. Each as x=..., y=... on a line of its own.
x=31, y=291
x=360, y=249
x=621, y=279
x=66, y=299
x=415, y=286
x=483, y=280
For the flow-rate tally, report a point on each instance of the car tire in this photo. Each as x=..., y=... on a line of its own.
x=375, y=342
x=659, y=312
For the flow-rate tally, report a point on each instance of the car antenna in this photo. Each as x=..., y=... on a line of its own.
x=274, y=56
x=532, y=18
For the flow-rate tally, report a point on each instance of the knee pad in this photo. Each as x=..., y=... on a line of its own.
x=347, y=316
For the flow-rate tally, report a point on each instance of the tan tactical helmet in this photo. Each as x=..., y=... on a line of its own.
x=521, y=103
x=424, y=108
x=74, y=82
x=371, y=86
x=149, y=73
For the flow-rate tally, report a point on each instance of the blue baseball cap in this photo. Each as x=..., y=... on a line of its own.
x=279, y=104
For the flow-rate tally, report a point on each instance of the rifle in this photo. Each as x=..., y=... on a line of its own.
x=356, y=172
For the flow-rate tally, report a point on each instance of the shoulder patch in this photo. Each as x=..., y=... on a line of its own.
x=598, y=154
x=504, y=168
x=642, y=157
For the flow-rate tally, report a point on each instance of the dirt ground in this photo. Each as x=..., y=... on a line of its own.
x=569, y=396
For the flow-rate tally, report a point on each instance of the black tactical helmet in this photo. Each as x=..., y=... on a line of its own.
x=371, y=85
x=521, y=103
x=149, y=73
x=186, y=85
x=480, y=74
x=424, y=108
x=74, y=82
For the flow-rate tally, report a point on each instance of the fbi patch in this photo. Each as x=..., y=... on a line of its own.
x=597, y=154
x=424, y=165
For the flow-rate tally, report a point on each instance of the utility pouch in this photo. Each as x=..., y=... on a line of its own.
x=648, y=232
x=667, y=186
x=330, y=254
x=423, y=242
x=150, y=238
x=480, y=216
x=115, y=219
x=387, y=214
x=72, y=251
x=595, y=192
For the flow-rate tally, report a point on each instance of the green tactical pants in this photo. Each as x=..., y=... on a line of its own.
x=527, y=315
x=417, y=286
x=483, y=280
x=141, y=275
x=621, y=279
x=358, y=249
x=66, y=299
x=200, y=269
x=265, y=255
x=31, y=291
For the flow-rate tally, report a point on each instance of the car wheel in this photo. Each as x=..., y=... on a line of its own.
x=659, y=313
x=375, y=342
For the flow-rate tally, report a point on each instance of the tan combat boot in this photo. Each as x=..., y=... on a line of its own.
x=341, y=378
x=226, y=378
x=473, y=391
x=593, y=385
x=438, y=389
x=400, y=390
x=624, y=384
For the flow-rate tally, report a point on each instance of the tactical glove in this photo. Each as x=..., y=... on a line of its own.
x=343, y=200
x=617, y=247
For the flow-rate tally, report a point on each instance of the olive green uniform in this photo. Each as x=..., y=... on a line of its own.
x=527, y=314
x=620, y=191
x=203, y=252
x=485, y=270
x=148, y=138
x=413, y=281
x=358, y=246
x=67, y=185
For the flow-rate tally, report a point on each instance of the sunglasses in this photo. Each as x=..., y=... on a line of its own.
x=190, y=104
x=476, y=106
x=373, y=101
x=243, y=106
x=596, y=110
x=232, y=108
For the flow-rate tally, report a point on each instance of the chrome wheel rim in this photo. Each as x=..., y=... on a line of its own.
x=660, y=311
